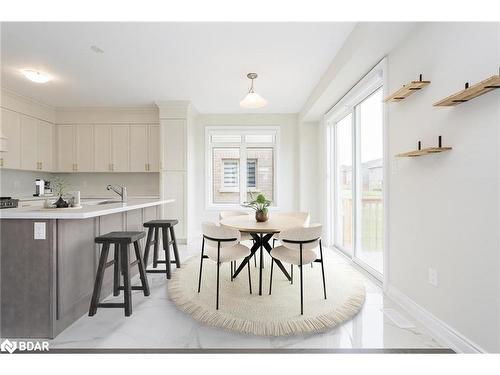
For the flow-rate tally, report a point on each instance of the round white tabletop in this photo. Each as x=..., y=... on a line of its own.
x=276, y=223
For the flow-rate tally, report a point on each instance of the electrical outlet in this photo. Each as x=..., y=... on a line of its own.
x=39, y=232
x=433, y=277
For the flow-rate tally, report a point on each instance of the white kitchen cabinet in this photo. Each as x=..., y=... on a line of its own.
x=139, y=148
x=154, y=148
x=102, y=148
x=120, y=148
x=65, y=148
x=29, y=143
x=11, y=128
x=45, y=145
x=84, y=148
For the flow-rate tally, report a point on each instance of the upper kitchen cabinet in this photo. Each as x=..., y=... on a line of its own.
x=75, y=148
x=144, y=148
x=65, y=148
x=11, y=128
x=120, y=138
x=29, y=143
x=84, y=148
x=102, y=148
x=154, y=148
x=45, y=146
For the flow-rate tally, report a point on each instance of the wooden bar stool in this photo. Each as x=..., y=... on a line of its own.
x=166, y=227
x=121, y=262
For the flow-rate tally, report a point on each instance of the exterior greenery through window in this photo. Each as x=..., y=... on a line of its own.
x=240, y=162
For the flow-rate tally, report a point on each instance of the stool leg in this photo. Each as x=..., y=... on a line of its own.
x=142, y=270
x=155, y=250
x=116, y=271
x=166, y=248
x=98, y=279
x=174, y=245
x=127, y=289
x=148, y=245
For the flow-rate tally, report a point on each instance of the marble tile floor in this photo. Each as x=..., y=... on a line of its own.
x=157, y=324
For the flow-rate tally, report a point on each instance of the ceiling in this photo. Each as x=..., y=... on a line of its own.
x=205, y=63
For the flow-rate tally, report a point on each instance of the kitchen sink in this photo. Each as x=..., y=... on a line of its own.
x=99, y=202
x=109, y=202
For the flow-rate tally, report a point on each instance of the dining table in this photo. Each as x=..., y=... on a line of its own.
x=262, y=233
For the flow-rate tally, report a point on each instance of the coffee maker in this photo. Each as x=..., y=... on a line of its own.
x=39, y=188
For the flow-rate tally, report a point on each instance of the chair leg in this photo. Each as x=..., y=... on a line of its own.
x=166, y=248
x=291, y=274
x=148, y=246
x=127, y=289
x=249, y=278
x=201, y=263
x=174, y=246
x=155, y=248
x=271, y=278
x=322, y=268
x=142, y=269
x=232, y=263
x=301, y=284
x=98, y=279
x=116, y=271
x=255, y=259
x=218, y=268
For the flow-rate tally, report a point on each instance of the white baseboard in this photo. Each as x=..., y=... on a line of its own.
x=443, y=332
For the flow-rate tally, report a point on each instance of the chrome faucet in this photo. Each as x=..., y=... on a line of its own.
x=120, y=190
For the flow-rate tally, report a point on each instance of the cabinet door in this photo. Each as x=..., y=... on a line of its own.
x=138, y=148
x=65, y=148
x=11, y=128
x=84, y=148
x=120, y=148
x=29, y=144
x=45, y=145
x=102, y=148
x=154, y=148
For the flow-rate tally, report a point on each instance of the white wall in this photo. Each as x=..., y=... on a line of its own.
x=288, y=162
x=309, y=186
x=444, y=208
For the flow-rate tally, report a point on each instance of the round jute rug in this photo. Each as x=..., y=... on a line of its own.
x=269, y=315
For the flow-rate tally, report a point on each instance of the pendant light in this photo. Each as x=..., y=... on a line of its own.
x=253, y=100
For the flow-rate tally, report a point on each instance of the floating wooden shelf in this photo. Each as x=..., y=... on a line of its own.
x=407, y=90
x=424, y=151
x=470, y=92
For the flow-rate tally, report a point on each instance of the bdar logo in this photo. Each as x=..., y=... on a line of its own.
x=8, y=346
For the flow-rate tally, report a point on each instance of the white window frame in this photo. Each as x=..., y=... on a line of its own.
x=243, y=145
x=370, y=83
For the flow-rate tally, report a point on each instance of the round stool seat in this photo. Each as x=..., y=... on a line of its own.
x=161, y=223
x=121, y=237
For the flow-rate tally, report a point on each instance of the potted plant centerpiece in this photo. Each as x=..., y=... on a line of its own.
x=260, y=205
x=60, y=188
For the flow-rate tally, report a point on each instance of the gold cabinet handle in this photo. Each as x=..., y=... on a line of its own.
x=146, y=167
x=76, y=167
x=41, y=165
x=1, y=162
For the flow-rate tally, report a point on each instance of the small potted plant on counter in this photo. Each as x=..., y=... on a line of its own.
x=260, y=205
x=60, y=189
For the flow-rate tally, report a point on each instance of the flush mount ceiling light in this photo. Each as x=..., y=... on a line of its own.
x=36, y=76
x=252, y=99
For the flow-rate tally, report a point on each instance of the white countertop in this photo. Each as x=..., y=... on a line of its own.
x=90, y=208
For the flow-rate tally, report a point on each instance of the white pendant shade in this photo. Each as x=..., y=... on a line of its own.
x=253, y=100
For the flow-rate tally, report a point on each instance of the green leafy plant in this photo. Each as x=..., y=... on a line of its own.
x=259, y=204
x=59, y=186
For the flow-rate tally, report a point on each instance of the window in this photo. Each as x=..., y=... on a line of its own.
x=241, y=162
x=356, y=155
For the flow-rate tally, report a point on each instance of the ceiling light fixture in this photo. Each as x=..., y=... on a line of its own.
x=36, y=76
x=252, y=99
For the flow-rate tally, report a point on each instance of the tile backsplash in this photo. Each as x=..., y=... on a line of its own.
x=17, y=183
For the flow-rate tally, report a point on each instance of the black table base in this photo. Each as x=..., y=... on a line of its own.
x=261, y=241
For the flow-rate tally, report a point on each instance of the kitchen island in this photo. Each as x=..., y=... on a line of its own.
x=49, y=260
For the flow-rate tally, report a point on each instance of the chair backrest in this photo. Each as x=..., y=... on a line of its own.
x=302, y=216
x=224, y=214
x=310, y=237
x=220, y=233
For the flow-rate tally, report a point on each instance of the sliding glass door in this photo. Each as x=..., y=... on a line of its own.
x=357, y=152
